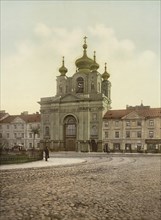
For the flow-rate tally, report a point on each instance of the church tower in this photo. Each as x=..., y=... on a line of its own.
x=72, y=119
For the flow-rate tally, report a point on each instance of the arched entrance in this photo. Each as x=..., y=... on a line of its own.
x=70, y=131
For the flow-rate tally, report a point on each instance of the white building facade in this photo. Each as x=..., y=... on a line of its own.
x=20, y=130
x=134, y=129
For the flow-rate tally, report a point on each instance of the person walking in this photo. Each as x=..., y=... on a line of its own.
x=46, y=150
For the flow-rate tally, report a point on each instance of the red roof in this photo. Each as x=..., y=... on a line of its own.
x=30, y=118
x=3, y=115
x=144, y=112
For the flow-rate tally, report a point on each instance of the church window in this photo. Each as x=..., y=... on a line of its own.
x=94, y=130
x=47, y=131
x=80, y=85
x=92, y=86
x=70, y=126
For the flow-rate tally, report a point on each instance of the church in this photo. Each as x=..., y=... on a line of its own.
x=72, y=119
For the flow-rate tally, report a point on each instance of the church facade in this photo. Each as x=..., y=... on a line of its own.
x=72, y=119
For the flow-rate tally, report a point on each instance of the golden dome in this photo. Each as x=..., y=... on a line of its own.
x=84, y=62
x=63, y=70
x=94, y=65
x=105, y=75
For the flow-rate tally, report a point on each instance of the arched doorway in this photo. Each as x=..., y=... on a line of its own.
x=70, y=131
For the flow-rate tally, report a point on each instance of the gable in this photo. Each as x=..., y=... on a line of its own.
x=18, y=120
x=69, y=98
x=132, y=115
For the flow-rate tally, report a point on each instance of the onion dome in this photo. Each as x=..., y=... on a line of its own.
x=84, y=63
x=63, y=70
x=105, y=75
x=94, y=65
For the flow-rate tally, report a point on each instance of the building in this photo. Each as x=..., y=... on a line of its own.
x=72, y=119
x=3, y=114
x=134, y=129
x=20, y=130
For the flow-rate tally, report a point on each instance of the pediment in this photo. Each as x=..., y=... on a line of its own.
x=132, y=115
x=69, y=98
x=18, y=120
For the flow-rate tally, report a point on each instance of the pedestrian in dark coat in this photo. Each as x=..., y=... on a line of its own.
x=46, y=150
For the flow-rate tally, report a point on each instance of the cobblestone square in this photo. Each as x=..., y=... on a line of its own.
x=102, y=188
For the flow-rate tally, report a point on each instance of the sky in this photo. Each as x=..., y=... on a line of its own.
x=36, y=34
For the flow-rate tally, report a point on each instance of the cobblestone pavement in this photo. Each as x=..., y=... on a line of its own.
x=102, y=188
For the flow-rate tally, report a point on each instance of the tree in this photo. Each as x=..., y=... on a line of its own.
x=35, y=130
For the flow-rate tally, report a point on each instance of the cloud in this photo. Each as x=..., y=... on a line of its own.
x=33, y=67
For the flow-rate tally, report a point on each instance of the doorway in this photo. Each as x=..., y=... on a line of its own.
x=70, y=131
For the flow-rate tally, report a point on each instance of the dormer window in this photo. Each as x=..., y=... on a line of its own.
x=80, y=85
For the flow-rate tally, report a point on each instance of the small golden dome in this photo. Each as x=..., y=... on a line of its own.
x=105, y=75
x=94, y=65
x=63, y=70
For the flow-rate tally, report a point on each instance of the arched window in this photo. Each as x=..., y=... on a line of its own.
x=70, y=126
x=80, y=85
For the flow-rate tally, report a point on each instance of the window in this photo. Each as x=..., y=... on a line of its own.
x=30, y=135
x=38, y=135
x=47, y=131
x=30, y=126
x=30, y=145
x=106, y=134
x=70, y=130
x=106, y=124
x=139, y=134
x=8, y=135
x=80, y=85
x=99, y=87
x=127, y=123
x=22, y=126
x=127, y=134
x=0, y=135
x=0, y=126
x=15, y=126
x=151, y=134
x=15, y=135
x=8, y=126
x=116, y=123
x=22, y=135
x=139, y=123
x=116, y=134
x=151, y=122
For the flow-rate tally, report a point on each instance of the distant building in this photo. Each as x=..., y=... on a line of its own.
x=3, y=114
x=72, y=119
x=20, y=130
x=134, y=129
